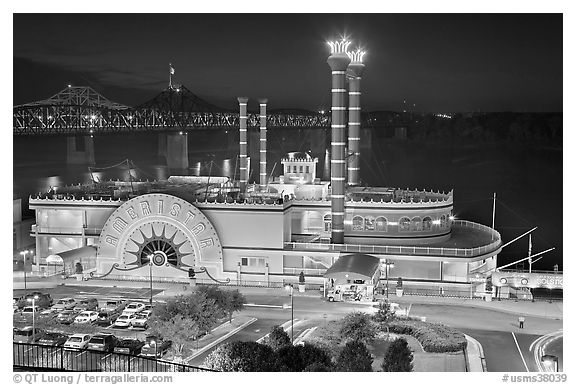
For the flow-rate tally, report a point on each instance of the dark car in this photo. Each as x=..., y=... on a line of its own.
x=129, y=346
x=87, y=304
x=102, y=342
x=43, y=301
x=66, y=317
x=107, y=318
x=53, y=339
x=155, y=347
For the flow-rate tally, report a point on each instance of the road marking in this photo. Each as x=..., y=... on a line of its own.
x=519, y=351
x=539, y=345
x=258, y=305
x=217, y=341
x=283, y=326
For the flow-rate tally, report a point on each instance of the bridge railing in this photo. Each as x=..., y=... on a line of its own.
x=56, y=358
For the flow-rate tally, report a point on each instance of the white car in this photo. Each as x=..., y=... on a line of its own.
x=133, y=308
x=125, y=320
x=141, y=319
x=64, y=304
x=77, y=341
x=86, y=317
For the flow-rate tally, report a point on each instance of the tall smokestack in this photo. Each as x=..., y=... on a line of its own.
x=243, y=101
x=355, y=70
x=338, y=61
x=263, y=141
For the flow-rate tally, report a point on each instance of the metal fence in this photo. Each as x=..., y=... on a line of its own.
x=39, y=357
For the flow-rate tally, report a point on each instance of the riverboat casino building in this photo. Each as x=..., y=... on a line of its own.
x=265, y=232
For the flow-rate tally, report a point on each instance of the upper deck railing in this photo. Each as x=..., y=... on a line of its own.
x=408, y=250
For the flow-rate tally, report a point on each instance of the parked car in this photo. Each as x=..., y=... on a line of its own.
x=77, y=341
x=133, y=307
x=141, y=320
x=66, y=317
x=26, y=314
x=64, y=304
x=102, y=342
x=42, y=300
x=155, y=347
x=114, y=305
x=107, y=318
x=124, y=320
x=53, y=339
x=27, y=335
x=86, y=317
x=129, y=346
x=87, y=304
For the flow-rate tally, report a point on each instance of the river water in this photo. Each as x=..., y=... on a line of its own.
x=527, y=180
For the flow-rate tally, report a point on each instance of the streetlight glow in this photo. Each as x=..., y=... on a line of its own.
x=290, y=288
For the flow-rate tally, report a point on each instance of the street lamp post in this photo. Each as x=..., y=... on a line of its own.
x=23, y=253
x=290, y=288
x=33, y=300
x=388, y=266
x=153, y=342
x=150, y=264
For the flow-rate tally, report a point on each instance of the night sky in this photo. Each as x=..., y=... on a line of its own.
x=439, y=62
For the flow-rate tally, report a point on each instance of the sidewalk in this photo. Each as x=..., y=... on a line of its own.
x=475, y=361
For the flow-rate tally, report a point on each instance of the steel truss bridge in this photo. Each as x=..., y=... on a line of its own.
x=83, y=111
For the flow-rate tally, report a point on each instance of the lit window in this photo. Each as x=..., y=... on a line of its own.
x=381, y=224
x=369, y=224
x=404, y=224
x=416, y=224
x=328, y=222
x=427, y=224
x=357, y=223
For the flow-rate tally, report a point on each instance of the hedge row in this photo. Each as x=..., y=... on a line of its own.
x=435, y=338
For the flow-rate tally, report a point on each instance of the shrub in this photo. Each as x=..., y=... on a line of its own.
x=278, y=338
x=398, y=357
x=355, y=357
x=297, y=358
x=358, y=326
x=435, y=338
x=240, y=356
x=383, y=314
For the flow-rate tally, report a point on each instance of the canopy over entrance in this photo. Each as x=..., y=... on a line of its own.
x=86, y=256
x=353, y=267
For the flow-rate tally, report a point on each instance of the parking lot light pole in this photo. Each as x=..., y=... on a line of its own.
x=388, y=266
x=23, y=253
x=150, y=264
x=33, y=300
x=290, y=288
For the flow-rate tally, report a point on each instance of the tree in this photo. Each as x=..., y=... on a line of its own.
x=358, y=326
x=398, y=357
x=227, y=301
x=355, y=357
x=78, y=267
x=296, y=358
x=383, y=314
x=278, y=338
x=179, y=330
x=301, y=279
x=242, y=356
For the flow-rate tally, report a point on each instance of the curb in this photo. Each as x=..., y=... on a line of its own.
x=218, y=340
x=481, y=357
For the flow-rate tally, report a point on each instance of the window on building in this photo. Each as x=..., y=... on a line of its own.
x=427, y=224
x=307, y=169
x=404, y=224
x=443, y=221
x=381, y=224
x=328, y=222
x=253, y=262
x=369, y=224
x=301, y=169
x=357, y=223
x=416, y=224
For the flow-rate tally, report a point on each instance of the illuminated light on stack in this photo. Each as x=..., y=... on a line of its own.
x=338, y=62
x=355, y=70
x=263, y=141
x=243, y=102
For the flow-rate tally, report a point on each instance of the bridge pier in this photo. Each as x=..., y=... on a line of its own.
x=162, y=144
x=80, y=150
x=176, y=151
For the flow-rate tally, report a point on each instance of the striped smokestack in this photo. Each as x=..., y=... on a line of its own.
x=243, y=143
x=355, y=70
x=263, y=141
x=338, y=61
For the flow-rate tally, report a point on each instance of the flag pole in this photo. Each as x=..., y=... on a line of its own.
x=170, y=76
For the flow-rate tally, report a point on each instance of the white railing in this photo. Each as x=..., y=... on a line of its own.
x=65, y=230
x=409, y=250
x=307, y=271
